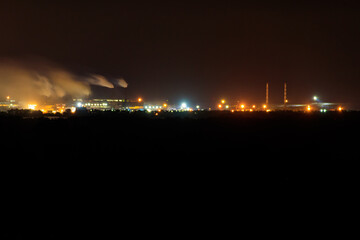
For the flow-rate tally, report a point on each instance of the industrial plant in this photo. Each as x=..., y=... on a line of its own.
x=124, y=104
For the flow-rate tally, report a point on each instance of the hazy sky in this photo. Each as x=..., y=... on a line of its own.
x=197, y=50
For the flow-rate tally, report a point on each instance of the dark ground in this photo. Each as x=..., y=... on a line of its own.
x=106, y=174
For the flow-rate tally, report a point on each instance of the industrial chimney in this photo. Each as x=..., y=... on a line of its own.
x=285, y=96
x=267, y=94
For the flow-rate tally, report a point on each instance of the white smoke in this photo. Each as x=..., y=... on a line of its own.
x=122, y=83
x=32, y=80
x=100, y=80
x=29, y=82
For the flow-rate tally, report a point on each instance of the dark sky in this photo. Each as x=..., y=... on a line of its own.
x=197, y=50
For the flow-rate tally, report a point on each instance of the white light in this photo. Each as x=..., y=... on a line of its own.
x=315, y=98
x=32, y=106
x=183, y=105
x=79, y=104
x=197, y=106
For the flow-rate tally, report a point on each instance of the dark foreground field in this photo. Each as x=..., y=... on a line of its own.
x=209, y=172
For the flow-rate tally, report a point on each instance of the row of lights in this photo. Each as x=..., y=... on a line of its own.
x=242, y=106
x=153, y=107
x=308, y=108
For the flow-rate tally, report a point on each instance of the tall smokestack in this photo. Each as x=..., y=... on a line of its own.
x=285, y=97
x=267, y=94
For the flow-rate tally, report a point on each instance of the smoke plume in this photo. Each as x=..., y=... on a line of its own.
x=96, y=79
x=122, y=83
x=36, y=79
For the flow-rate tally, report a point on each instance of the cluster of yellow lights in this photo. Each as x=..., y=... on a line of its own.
x=242, y=106
x=49, y=108
x=221, y=105
x=59, y=110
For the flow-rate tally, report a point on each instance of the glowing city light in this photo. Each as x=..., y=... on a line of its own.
x=32, y=106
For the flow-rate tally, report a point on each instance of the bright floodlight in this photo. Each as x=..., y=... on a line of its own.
x=32, y=106
x=79, y=104
x=183, y=105
x=315, y=98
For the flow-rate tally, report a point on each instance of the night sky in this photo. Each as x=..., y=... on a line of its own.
x=199, y=51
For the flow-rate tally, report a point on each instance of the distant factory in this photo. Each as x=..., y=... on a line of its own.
x=109, y=104
x=122, y=104
x=89, y=104
x=315, y=105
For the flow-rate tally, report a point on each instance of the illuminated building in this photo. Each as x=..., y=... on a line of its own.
x=110, y=104
x=8, y=104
